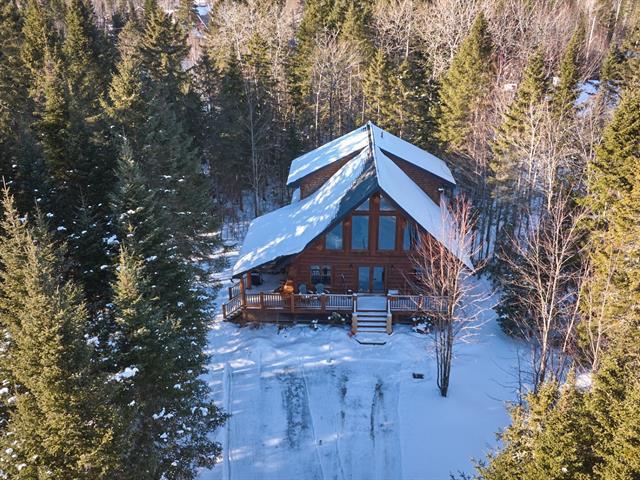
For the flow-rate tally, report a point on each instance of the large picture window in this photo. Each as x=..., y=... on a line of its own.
x=333, y=240
x=387, y=232
x=360, y=232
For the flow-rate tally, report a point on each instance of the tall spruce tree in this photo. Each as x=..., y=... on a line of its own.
x=377, y=90
x=566, y=91
x=464, y=86
x=59, y=422
x=613, y=200
x=160, y=330
x=514, y=134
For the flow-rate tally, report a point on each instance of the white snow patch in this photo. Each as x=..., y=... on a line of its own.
x=128, y=372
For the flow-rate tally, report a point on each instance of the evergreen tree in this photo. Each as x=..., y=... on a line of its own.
x=185, y=15
x=39, y=37
x=162, y=49
x=613, y=201
x=567, y=90
x=377, y=91
x=160, y=330
x=83, y=53
x=20, y=160
x=514, y=134
x=623, y=461
x=416, y=100
x=464, y=86
x=59, y=425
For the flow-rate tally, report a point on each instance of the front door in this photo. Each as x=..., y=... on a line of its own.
x=371, y=279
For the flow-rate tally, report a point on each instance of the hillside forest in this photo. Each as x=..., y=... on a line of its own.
x=137, y=136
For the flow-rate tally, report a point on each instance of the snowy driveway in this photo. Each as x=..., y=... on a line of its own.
x=311, y=404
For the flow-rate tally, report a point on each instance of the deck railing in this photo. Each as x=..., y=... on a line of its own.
x=328, y=302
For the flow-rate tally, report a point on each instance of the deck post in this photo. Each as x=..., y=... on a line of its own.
x=389, y=324
x=249, y=285
x=354, y=323
x=323, y=302
x=224, y=311
x=230, y=294
x=243, y=293
x=293, y=303
x=354, y=301
x=261, y=300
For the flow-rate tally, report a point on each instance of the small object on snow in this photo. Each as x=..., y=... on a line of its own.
x=61, y=229
x=418, y=376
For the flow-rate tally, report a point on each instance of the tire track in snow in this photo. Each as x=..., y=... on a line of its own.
x=299, y=428
x=226, y=405
x=383, y=431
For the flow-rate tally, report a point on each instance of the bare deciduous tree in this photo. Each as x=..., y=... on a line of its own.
x=444, y=271
x=546, y=272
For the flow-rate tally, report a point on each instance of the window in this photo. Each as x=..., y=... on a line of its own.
x=387, y=232
x=360, y=232
x=321, y=274
x=408, y=236
x=386, y=205
x=364, y=206
x=333, y=240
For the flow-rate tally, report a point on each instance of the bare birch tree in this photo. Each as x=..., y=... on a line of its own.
x=546, y=273
x=443, y=272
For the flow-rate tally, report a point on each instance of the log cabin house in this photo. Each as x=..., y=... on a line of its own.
x=344, y=242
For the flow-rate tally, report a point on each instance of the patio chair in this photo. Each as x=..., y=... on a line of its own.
x=302, y=288
x=320, y=288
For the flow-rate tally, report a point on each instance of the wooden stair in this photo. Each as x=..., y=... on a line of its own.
x=371, y=324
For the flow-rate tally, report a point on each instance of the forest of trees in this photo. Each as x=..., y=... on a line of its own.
x=129, y=133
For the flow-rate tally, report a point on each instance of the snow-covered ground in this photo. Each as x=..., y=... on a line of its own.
x=315, y=404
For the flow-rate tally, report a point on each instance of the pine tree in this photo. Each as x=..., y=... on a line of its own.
x=464, y=86
x=231, y=151
x=623, y=461
x=615, y=209
x=514, y=134
x=416, y=100
x=562, y=450
x=59, y=425
x=125, y=106
x=185, y=15
x=160, y=329
x=20, y=161
x=83, y=54
x=162, y=49
x=39, y=37
x=566, y=92
x=377, y=91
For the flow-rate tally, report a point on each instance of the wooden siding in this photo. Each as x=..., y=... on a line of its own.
x=344, y=263
x=426, y=181
x=315, y=180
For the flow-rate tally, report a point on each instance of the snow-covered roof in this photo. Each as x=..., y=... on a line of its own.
x=360, y=138
x=410, y=153
x=288, y=230
x=398, y=186
x=328, y=153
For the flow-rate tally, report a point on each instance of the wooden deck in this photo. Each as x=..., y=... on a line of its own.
x=240, y=301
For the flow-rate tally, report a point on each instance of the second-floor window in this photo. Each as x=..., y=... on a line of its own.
x=360, y=232
x=334, y=239
x=387, y=232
